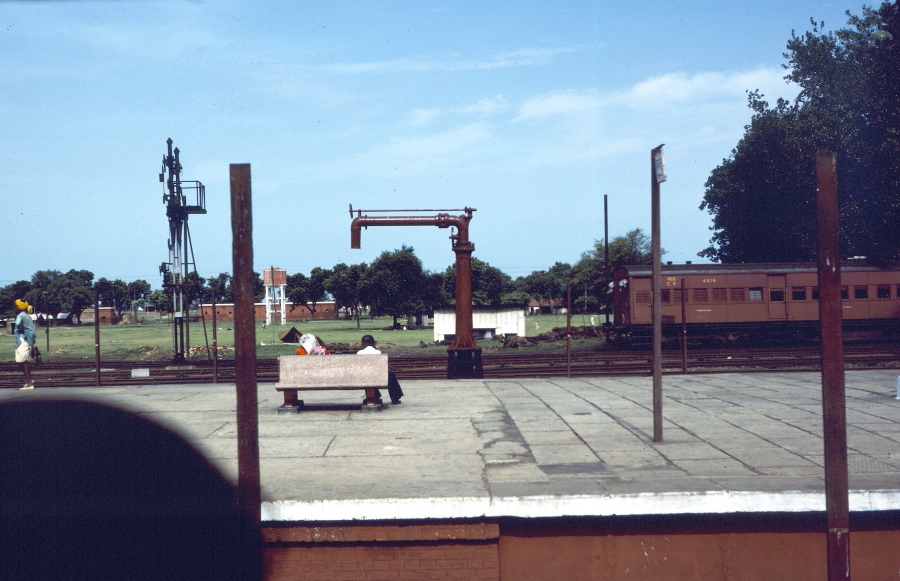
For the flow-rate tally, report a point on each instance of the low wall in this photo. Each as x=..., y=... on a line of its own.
x=733, y=548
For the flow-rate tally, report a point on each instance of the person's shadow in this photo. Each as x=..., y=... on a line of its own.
x=88, y=491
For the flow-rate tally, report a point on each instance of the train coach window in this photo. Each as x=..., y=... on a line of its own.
x=701, y=295
x=776, y=295
x=642, y=296
x=815, y=293
x=798, y=293
x=665, y=296
x=756, y=294
x=860, y=292
x=676, y=295
x=719, y=295
x=884, y=291
x=736, y=295
x=845, y=294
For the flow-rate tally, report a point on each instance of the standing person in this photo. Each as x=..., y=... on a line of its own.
x=394, y=389
x=23, y=329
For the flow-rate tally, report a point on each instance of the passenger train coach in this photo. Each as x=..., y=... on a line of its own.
x=752, y=304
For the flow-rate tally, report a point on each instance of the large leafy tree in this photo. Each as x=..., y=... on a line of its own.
x=489, y=285
x=72, y=291
x=10, y=293
x=590, y=282
x=219, y=286
x=394, y=282
x=113, y=293
x=762, y=198
x=545, y=286
x=346, y=286
x=297, y=289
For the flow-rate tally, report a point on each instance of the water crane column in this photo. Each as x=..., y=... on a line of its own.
x=463, y=354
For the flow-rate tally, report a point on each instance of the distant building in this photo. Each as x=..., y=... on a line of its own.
x=551, y=307
x=107, y=316
x=225, y=311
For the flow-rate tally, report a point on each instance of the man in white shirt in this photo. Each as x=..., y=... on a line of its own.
x=394, y=389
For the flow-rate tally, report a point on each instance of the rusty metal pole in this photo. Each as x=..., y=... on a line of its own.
x=569, y=328
x=606, y=257
x=684, y=357
x=656, y=298
x=215, y=340
x=97, y=333
x=245, y=342
x=834, y=415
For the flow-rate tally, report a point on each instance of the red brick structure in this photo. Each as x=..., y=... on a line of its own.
x=390, y=552
x=225, y=312
x=719, y=548
x=107, y=316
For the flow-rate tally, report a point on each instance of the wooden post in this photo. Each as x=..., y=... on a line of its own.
x=97, y=334
x=245, y=342
x=834, y=413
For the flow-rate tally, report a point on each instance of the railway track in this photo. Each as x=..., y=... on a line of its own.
x=496, y=366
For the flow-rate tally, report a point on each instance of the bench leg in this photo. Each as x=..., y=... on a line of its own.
x=371, y=402
x=291, y=405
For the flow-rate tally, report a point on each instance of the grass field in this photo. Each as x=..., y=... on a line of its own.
x=152, y=340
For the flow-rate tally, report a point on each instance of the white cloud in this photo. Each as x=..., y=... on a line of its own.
x=422, y=116
x=485, y=107
x=415, y=155
x=681, y=89
x=453, y=62
x=556, y=104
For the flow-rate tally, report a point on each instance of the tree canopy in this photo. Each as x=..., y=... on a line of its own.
x=762, y=198
x=395, y=284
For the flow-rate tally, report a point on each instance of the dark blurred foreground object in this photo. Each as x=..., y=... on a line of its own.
x=88, y=491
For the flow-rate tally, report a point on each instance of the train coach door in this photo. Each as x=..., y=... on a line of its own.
x=777, y=304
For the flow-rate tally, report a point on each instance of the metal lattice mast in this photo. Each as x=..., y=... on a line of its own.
x=175, y=271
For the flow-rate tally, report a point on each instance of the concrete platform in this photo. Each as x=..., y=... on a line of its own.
x=542, y=447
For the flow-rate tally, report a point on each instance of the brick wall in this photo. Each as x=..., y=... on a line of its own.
x=382, y=553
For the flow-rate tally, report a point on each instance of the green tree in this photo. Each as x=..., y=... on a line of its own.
x=489, y=285
x=259, y=288
x=590, y=283
x=315, y=286
x=11, y=292
x=73, y=292
x=394, y=283
x=221, y=286
x=113, y=293
x=762, y=198
x=346, y=284
x=297, y=290
x=160, y=300
x=545, y=286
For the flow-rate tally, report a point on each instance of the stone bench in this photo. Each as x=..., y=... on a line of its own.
x=330, y=372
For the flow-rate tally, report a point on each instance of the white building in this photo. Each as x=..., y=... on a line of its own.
x=489, y=322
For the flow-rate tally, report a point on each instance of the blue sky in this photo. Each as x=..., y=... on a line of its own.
x=528, y=111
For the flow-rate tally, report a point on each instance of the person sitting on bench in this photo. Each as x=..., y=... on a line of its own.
x=394, y=389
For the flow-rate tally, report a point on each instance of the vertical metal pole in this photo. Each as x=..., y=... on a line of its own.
x=215, y=340
x=657, y=303
x=245, y=341
x=569, y=328
x=606, y=256
x=833, y=402
x=187, y=330
x=49, y=320
x=97, y=334
x=684, y=365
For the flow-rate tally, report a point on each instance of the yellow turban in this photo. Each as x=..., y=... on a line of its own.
x=21, y=305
